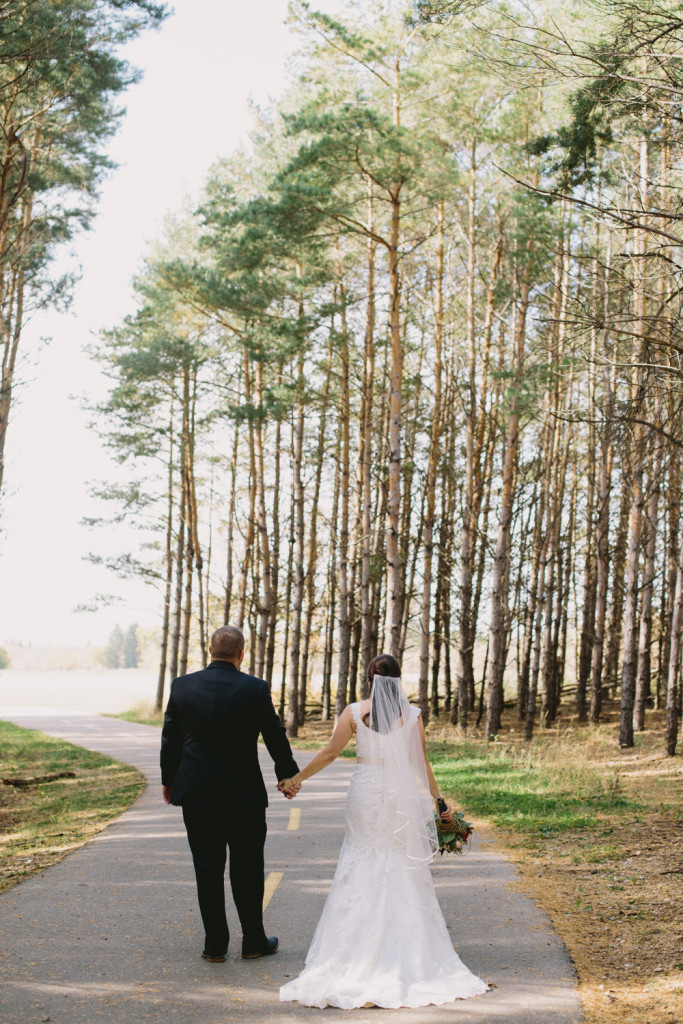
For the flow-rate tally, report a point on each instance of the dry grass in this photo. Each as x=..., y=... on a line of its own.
x=144, y=713
x=614, y=890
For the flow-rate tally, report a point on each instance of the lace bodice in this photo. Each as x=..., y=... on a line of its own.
x=369, y=743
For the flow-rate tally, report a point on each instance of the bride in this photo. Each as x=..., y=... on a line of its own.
x=381, y=939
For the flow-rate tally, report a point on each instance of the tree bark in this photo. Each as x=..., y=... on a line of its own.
x=163, y=656
x=312, y=560
x=394, y=588
x=298, y=575
x=227, y=603
x=267, y=600
x=430, y=481
x=602, y=523
x=247, y=552
x=345, y=499
x=630, y=656
x=649, y=575
x=672, y=714
x=499, y=618
x=367, y=389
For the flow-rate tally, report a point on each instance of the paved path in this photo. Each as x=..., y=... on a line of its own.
x=112, y=933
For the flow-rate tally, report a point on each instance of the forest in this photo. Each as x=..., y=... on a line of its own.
x=407, y=377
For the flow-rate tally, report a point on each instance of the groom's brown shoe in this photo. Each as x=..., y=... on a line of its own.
x=215, y=959
x=270, y=947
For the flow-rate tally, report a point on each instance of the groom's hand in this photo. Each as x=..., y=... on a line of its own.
x=166, y=793
x=288, y=788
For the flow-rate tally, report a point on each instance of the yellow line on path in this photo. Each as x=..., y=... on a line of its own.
x=272, y=882
x=294, y=819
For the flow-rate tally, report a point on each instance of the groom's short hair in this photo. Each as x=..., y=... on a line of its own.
x=227, y=643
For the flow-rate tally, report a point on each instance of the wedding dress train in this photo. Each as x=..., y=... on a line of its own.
x=381, y=937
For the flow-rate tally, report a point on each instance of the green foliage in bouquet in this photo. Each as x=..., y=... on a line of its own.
x=453, y=835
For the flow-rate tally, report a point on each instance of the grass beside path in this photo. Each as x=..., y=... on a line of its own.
x=43, y=821
x=142, y=713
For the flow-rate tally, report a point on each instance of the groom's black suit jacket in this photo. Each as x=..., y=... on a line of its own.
x=209, y=741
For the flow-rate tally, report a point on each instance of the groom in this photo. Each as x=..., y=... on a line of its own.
x=210, y=767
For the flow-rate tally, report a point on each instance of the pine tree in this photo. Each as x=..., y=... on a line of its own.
x=131, y=651
x=59, y=76
x=113, y=656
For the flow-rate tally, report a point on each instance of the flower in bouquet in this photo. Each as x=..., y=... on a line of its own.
x=454, y=835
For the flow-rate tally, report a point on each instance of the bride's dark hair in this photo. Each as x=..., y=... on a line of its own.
x=384, y=665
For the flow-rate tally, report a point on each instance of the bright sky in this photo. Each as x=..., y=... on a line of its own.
x=191, y=106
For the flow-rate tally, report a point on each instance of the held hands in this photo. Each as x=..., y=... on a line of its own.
x=288, y=788
x=166, y=793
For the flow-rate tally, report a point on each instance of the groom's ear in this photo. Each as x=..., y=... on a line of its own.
x=241, y=656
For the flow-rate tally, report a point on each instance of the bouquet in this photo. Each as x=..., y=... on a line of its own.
x=453, y=835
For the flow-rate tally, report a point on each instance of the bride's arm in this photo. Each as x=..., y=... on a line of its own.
x=340, y=737
x=433, y=786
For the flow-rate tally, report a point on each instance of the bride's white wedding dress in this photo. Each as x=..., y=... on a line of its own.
x=381, y=937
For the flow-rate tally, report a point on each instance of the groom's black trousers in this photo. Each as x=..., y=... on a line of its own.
x=210, y=830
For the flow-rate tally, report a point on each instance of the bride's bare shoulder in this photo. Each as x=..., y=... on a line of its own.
x=364, y=710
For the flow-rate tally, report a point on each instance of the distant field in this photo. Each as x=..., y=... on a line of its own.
x=107, y=690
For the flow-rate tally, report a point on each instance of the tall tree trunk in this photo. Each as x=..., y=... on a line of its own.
x=189, y=546
x=649, y=575
x=332, y=596
x=298, y=582
x=394, y=588
x=186, y=620
x=430, y=481
x=227, y=604
x=163, y=658
x=590, y=580
x=245, y=565
x=179, y=568
x=564, y=596
x=409, y=538
x=345, y=589
x=589, y=602
x=499, y=614
x=312, y=561
x=267, y=598
x=616, y=617
x=288, y=605
x=366, y=644
x=524, y=669
x=630, y=657
x=547, y=700
x=193, y=519
x=475, y=425
x=672, y=713
x=536, y=660
x=275, y=559
x=673, y=493
x=482, y=549
x=603, y=520
x=469, y=525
